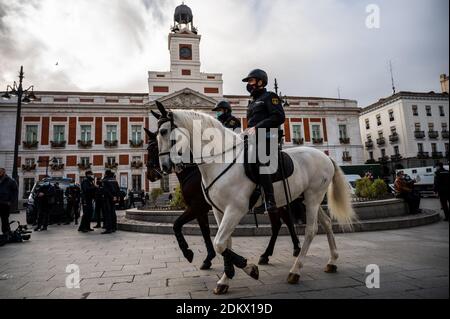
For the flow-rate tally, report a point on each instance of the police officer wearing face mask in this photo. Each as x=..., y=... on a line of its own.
x=265, y=112
x=224, y=115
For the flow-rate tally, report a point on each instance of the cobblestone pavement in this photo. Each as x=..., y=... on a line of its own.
x=413, y=263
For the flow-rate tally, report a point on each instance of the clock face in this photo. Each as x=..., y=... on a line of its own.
x=185, y=53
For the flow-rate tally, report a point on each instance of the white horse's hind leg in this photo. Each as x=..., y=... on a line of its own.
x=326, y=223
x=310, y=233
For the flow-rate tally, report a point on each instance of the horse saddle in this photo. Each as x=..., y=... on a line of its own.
x=285, y=164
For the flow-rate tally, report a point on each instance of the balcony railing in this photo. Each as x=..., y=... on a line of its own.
x=30, y=144
x=85, y=144
x=437, y=155
x=433, y=134
x=419, y=134
x=84, y=166
x=111, y=143
x=317, y=140
x=57, y=167
x=298, y=141
x=369, y=144
x=394, y=138
x=137, y=164
x=344, y=140
x=136, y=144
x=29, y=168
x=423, y=155
x=346, y=158
x=383, y=159
x=444, y=134
x=111, y=165
x=396, y=157
x=371, y=161
x=58, y=144
x=381, y=141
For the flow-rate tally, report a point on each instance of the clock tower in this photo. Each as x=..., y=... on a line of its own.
x=184, y=48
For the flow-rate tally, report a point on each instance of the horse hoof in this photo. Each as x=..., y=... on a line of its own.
x=331, y=269
x=293, y=279
x=221, y=290
x=206, y=265
x=263, y=261
x=297, y=252
x=189, y=255
x=254, y=273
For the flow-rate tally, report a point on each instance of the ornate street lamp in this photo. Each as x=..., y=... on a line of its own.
x=25, y=96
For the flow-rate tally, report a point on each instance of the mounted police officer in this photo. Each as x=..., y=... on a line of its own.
x=264, y=112
x=224, y=115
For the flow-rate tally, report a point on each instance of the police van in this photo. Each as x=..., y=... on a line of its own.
x=424, y=177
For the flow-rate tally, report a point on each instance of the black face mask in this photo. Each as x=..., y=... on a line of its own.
x=251, y=88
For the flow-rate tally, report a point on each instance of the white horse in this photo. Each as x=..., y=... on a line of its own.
x=315, y=175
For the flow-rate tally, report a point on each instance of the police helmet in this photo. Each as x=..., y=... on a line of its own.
x=222, y=105
x=259, y=75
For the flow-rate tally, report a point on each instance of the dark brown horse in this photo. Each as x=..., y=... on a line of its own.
x=198, y=208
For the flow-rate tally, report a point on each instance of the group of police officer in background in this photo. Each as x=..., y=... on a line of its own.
x=100, y=198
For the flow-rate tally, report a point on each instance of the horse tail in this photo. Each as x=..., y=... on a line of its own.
x=339, y=200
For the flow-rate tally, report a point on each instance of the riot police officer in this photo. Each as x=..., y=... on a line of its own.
x=264, y=112
x=45, y=200
x=224, y=115
x=112, y=196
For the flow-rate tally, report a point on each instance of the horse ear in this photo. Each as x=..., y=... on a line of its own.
x=150, y=134
x=161, y=108
x=156, y=115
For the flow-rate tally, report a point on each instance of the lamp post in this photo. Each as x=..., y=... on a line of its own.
x=25, y=96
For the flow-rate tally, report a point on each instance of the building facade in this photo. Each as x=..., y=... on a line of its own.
x=406, y=130
x=100, y=131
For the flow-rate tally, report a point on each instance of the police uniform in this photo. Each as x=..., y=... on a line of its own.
x=73, y=194
x=88, y=194
x=111, y=191
x=265, y=111
x=441, y=186
x=227, y=119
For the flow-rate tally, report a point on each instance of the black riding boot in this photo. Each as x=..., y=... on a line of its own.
x=266, y=183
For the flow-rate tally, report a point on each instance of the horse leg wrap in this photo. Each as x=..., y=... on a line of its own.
x=229, y=267
x=237, y=260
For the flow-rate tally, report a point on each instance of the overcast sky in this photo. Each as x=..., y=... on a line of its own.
x=313, y=47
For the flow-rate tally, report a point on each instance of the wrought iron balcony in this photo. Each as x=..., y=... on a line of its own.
x=111, y=165
x=381, y=141
x=433, y=134
x=85, y=144
x=419, y=134
x=136, y=144
x=344, y=140
x=58, y=144
x=111, y=143
x=137, y=164
x=394, y=138
x=437, y=155
x=298, y=141
x=371, y=161
x=369, y=144
x=423, y=155
x=29, y=168
x=396, y=158
x=84, y=166
x=317, y=140
x=30, y=144
x=444, y=134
